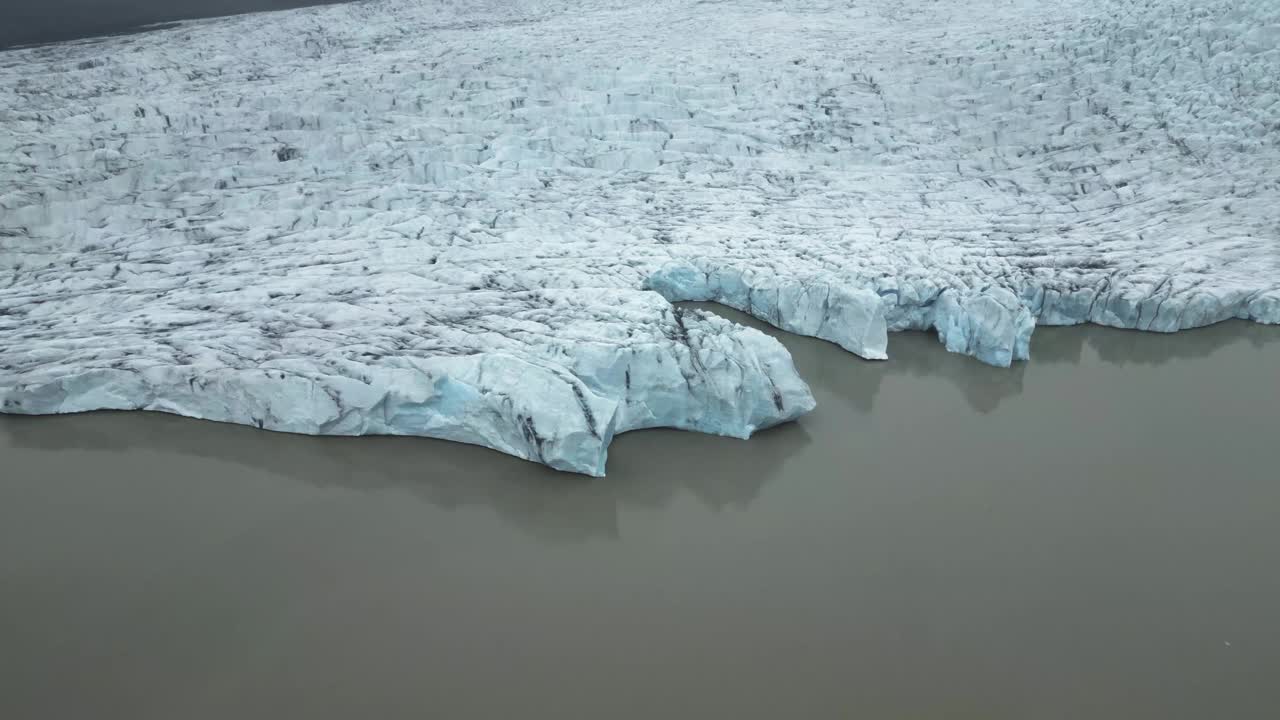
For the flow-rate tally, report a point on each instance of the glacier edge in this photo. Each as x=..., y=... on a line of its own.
x=720, y=378
x=410, y=216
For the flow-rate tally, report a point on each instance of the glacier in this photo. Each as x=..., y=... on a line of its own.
x=469, y=220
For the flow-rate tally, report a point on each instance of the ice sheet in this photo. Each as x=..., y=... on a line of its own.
x=466, y=220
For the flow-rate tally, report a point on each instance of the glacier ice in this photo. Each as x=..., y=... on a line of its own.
x=469, y=221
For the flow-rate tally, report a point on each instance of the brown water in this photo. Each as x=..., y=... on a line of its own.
x=1095, y=534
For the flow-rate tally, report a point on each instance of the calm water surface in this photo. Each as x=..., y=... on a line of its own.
x=24, y=22
x=1094, y=534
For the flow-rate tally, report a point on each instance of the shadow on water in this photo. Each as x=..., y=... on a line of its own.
x=647, y=469
x=1132, y=347
x=919, y=354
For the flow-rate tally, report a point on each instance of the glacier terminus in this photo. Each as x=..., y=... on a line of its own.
x=470, y=220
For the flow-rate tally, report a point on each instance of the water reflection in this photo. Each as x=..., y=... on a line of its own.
x=1131, y=347
x=647, y=469
x=919, y=354
x=829, y=369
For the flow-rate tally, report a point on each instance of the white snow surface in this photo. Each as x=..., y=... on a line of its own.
x=466, y=219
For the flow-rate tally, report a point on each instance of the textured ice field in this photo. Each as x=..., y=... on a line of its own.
x=465, y=220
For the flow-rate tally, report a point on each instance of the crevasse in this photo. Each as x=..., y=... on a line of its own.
x=406, y=217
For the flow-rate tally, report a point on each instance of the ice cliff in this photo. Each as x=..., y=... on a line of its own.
x=467, y=220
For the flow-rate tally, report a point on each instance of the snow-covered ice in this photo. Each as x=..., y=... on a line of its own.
x=465, y=220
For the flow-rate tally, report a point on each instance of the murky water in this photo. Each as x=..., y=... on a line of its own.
x=1091, y=535
x=26, y=22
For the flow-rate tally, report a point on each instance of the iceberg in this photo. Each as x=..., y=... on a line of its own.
x=471, y=221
